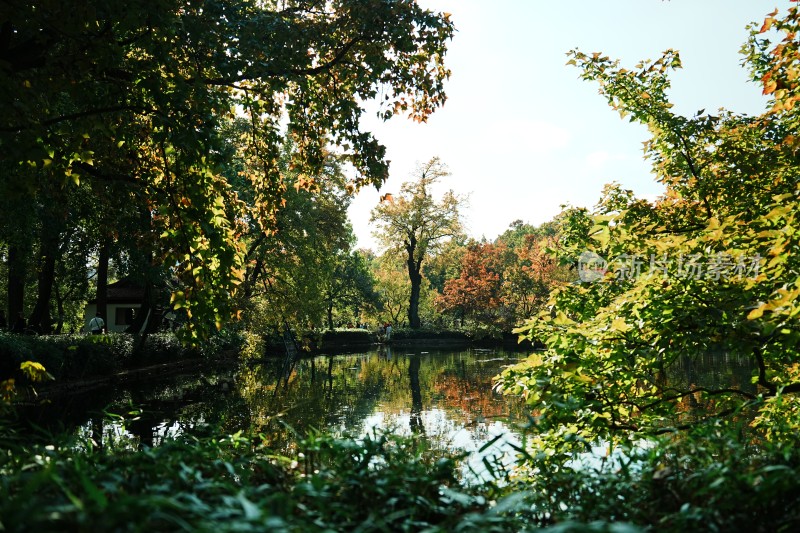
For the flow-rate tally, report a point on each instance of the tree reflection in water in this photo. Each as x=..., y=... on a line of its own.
x=451, y=402
x=415, y=422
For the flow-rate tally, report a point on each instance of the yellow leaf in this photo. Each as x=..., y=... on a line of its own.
x=618, y=324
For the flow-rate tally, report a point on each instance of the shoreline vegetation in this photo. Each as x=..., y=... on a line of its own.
x=83, y=362
x=386, y=482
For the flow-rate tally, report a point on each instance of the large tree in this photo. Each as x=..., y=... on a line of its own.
x=710, y=267
x=140, y=93
x=414, y=225
x=291, y=274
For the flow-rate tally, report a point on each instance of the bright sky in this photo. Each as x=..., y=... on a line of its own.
x=521, y=133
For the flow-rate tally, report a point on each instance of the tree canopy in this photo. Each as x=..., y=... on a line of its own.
x=414, y=225
x=135, y=100
x=706, y=269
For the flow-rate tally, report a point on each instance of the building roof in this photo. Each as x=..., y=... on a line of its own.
x=123, y=291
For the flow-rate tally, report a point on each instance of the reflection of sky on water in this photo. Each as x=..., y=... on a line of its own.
x=117, y=434
x=443, y=396
x=452, y=434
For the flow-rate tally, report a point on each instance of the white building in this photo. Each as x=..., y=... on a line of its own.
x=123, y=300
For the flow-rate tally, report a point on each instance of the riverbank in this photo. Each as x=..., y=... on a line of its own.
x=81, y=363
x=349, y=340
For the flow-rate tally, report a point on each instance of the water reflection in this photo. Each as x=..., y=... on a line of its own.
x=433, y=395
x=443, y=396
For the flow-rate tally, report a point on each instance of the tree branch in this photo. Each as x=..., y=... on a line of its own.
x=80, y=114
x=279, y=74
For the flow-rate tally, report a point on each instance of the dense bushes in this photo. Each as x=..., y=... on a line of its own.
x=69, y=357
x=705, y=480
x=717, y=477
x=345, y=338
x=382, y=483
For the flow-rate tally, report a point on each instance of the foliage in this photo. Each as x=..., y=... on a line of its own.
x=378, y=483
x=710, y=479
x=414, y=226
x=135, y=103
x=307, y=273
x=79, y=356
x=393, y=288
x=707, y=268
x=350, y=288
x=532, y=271
x=499, y=284
x=32, y=372
x=476, y=294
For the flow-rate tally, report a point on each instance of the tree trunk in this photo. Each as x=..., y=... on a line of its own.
x=413, y=304
x=330, y=315
x=415, y=276
x=102, y=279
x=16, y=283
x=40, y=317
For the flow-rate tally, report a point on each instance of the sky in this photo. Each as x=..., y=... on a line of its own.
x=522, y=135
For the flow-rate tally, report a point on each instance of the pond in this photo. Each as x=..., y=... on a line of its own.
x=442, y=395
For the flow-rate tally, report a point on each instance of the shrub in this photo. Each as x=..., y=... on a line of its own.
x=380, y=483
x=79, y=356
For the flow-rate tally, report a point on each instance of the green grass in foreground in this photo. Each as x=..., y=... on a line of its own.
x=704, y=482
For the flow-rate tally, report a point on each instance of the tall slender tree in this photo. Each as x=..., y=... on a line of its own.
x=415, y=225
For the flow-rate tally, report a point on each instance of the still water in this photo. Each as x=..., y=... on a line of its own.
x=442, y=395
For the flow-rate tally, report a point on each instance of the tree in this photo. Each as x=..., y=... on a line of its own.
x=415, y=226
x=530, y=271
x=393, y=288
x=476, y=293
x=295, y=269
x=707, y=268
x=495, y=286
x=141, y=94
x=350, y=286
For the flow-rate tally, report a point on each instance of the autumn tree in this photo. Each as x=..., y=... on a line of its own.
x=141, y=93
x=414, y=225
x=531, y=269
x=476, y=294
x=499, y=284
x=707, y=268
